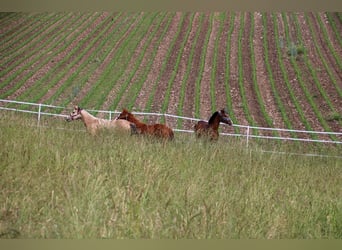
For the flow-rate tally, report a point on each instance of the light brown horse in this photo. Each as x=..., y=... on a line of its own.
x=210, y=128
x=93, y=124
x=156, y=130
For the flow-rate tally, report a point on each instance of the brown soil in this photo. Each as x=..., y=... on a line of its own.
x=262, y=79
x=70, y=72
x=157, y=65
x=176, y=88
x=218, y=35
x=25, y=50
x=46, y=68
x=234, y=74
x=164, y=80
x=189, y=100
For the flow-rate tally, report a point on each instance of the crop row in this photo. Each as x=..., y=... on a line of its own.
x=32, y=53
x=103, y=60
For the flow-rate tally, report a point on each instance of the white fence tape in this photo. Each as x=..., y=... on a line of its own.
x=248, y=136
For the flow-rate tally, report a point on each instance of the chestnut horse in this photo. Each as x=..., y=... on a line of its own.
x=93, y=124
x=210, y=128
x=157, y=130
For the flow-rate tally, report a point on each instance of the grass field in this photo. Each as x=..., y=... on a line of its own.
x=66, y=184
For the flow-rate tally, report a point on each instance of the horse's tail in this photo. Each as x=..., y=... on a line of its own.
x=171, y=135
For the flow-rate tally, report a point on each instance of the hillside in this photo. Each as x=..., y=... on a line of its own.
x=273, y=70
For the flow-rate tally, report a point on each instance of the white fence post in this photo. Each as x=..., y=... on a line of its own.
x=247, y=136
x=110, y=115
x=39, y=113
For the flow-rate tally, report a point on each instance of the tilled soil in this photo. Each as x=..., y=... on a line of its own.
x=189, y=31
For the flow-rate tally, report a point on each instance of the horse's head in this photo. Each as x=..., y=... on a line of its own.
x=75, y=114
x=224, y=118
x=124, y=115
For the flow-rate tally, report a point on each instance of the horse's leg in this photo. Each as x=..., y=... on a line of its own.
x=133, y=129
x=213, y=135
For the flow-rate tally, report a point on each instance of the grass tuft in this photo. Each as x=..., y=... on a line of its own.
x=66, y=184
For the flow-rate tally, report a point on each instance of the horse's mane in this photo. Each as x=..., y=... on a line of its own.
x=212, y=118
x=132, y=118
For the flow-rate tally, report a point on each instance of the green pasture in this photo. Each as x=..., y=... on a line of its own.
x=59, y=182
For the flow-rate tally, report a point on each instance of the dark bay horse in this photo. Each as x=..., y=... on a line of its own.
x=156, y=130
x=93, y=124
x=210, y=128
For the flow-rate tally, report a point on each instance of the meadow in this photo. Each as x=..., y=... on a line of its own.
x=64, y=183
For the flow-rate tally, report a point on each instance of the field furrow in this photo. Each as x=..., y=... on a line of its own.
x=7, y=19
x=39, y=58
x=237, y=102
x=78, y=54
x=23, y=29
x=268, y=69
x=25, y=54
x=192, y=92
x=262, y=80
x=320, y=80
x=175, y=92
x=177, y=69
x=121, y=97
x=152, y=77
x=277, y=70
x=71, y=82
x=83, y=79
x=334, y=75
x=253, y=105
x=184, y=105
x=103, y=78
x=171, y=64
x=55, y=65
x=306, y=106
x=220, y=63
x=229, y=27
x=336, y=26
x=207, y=103
x=145, y=63
x=329, y=38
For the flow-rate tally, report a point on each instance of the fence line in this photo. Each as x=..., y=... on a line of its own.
x=247, y=134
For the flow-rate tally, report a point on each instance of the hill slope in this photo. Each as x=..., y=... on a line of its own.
x=274, y=70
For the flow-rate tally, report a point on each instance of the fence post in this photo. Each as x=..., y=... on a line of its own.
x=247, y=136
x=39, y=110
x=110, y=115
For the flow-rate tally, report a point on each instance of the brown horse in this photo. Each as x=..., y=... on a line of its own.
x=93, y=124
x=210, y=128
x=156, y=130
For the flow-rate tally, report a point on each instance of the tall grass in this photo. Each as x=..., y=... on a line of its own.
x=66, y=184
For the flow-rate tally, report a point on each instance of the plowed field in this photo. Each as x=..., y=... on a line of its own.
x=278, y=70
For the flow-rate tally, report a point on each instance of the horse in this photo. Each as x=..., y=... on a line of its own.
x=155, y=130
x=93, y=124
x=210, y=128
